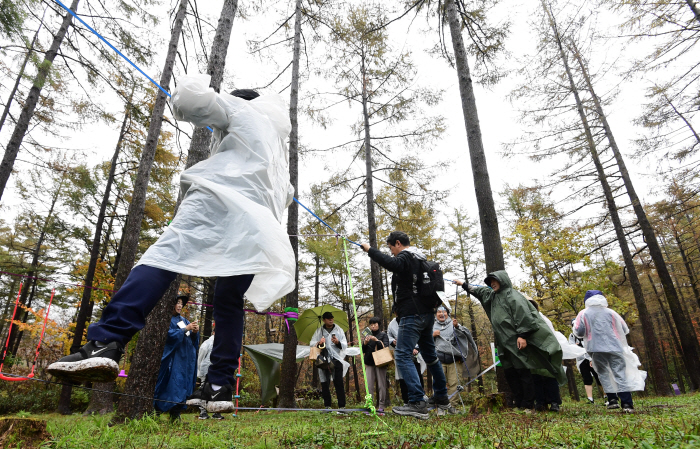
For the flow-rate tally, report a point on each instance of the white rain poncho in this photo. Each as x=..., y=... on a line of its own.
x=204, y=358
x=603, y=331
x=335, y=352
x=229, y=221
x=393, y=332
x=569, y=351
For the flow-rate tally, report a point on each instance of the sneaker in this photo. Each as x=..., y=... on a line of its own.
x=342, y=411
x=94, y=362
x=527, y=411
x=627, y=408
x=590, y=401
x=441, y=403
x=554, y=407
x=203, y=415
x=327, y=410
x=449, y=410
x=416, y=409
x=215, y=401
x=218, y=416
x=612, y=404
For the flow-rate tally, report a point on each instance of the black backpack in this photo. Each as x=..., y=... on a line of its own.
x=428, y=282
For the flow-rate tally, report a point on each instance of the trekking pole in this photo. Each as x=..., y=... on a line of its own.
x=238, y=383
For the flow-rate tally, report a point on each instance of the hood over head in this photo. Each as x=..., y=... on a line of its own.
x=596, y=300
x=501, y=276
x=416, y=252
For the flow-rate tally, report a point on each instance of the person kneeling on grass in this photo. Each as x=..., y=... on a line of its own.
x=523, y=340
x=603, y=333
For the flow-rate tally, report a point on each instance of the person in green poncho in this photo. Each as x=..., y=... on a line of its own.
x=523, y=340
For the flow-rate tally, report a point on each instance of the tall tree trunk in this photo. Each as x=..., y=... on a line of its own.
x=10, y=299
x=369, y=191
x=146, y=358
x=289, y=364
x=571, y=380
x=12, y=148
x=15, y=336
x=85, y=310
x=691, y=348
x=490, y=234
x=659, y=373
x=8, y=104
x=686, y=263
x=694, y=8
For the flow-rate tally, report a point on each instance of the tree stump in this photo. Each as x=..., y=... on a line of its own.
x=489, y=403
x=26, y=432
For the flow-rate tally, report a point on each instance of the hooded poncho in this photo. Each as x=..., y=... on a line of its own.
x=604, y=331
x=457, y=342
x=511, y=315
x=178, y=372
x=229, y=221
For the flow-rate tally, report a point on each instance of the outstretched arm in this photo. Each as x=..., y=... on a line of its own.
x=195, y=102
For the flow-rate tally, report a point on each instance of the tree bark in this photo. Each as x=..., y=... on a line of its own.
x=694, y=8
x=289, y=364
x=146, y=358
x=369, y=192
x=690, y=345
x=659, y=372
x=15, y=336
x=20, y=74
x=8, y=161
x=571, y=380
x=491, y=236
x=688, y=267
x=85, y=310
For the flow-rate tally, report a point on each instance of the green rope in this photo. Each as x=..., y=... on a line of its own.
x=369, y=403
x=291, y=309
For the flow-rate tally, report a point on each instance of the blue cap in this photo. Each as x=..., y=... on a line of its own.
x=590, y=293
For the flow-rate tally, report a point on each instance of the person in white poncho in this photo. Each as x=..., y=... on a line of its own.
x=228, y=225
x=603, y=332
x=332, y=337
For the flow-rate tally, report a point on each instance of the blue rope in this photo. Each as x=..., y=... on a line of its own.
x=115, y=49
x=324, y=223
x=168, y=94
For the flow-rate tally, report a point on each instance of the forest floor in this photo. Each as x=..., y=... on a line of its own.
x=656, y=423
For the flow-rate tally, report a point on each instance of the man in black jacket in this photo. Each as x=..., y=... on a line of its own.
x=415, y=324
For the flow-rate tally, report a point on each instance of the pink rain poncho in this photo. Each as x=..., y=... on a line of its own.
x=229, y=221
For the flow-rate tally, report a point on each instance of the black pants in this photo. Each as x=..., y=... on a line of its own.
x=588, y=373
x=127, y=311
x=546, y=390
x=522, y=386
x=624, y=396
x=339, y=387
x=404, y=388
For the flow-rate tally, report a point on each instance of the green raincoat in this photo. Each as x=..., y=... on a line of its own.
x=511, y=314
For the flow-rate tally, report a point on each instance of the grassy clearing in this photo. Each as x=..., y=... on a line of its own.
x=658, y=423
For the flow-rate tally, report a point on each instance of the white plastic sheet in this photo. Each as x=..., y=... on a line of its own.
x=569, y=351
x=229, y=222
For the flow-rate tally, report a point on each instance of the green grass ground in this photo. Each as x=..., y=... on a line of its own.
x=657, y=423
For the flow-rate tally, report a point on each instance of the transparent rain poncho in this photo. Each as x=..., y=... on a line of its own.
x=229, y=221
x=569, y=351
x=603, y=331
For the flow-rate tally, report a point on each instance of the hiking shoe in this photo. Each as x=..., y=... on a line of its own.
x=416, y=409
x=215, y=401
x=441, y=403
x=627, y=408
x=449, y=410
x=218, y=416
x=94, y=362
x=612, y=404
x=554, y=407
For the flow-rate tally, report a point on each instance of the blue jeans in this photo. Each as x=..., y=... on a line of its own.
x=418, y=329
x=127, y=311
